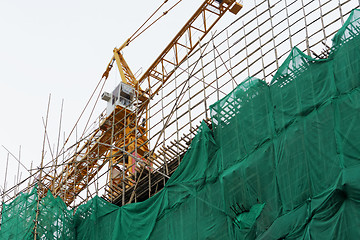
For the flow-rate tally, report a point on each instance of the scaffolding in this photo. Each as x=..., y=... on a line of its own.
x=255, y=44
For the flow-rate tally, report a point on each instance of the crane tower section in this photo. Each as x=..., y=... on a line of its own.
x=122, y=139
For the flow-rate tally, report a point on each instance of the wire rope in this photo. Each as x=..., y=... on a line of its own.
x=136, y=34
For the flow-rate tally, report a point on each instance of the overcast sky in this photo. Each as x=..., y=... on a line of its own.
x=62, y=48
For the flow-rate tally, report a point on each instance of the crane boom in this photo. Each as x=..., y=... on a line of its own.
x=178, y=49
x=106, y=144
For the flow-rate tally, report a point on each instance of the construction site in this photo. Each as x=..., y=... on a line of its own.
x=242, y=130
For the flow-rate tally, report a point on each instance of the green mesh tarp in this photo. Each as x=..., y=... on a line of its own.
x=281, y=162
x=55, y=221
x=17, y=219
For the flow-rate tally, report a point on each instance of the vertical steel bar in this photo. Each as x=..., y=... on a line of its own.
x=288, y=23
x=259, y=37
x=4, y=190
x=306, y=30
x=58, y=143
x=39, y=190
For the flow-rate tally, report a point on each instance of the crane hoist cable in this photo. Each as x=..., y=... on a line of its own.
x=90, y=156
x=135, y=35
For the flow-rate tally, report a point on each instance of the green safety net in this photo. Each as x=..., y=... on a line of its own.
x=282, y=161
x=17, y=218
x=55, y=220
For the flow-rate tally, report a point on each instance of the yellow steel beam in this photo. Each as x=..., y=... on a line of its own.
x=82, y=167
x=207, y=8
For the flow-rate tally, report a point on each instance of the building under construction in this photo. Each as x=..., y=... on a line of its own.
x=247, y=131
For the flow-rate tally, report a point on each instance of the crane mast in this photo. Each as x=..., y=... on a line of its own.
x=121, y=140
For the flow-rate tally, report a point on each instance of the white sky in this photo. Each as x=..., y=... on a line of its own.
x=62, y=48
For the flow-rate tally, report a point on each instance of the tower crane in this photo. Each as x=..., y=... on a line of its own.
x=121, y=140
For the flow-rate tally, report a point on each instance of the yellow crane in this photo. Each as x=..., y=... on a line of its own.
x=122, y=136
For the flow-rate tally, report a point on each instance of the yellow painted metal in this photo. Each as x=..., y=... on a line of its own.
x=122, y=129
x=120, y=66
x=157, y=71
x=236, y=8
